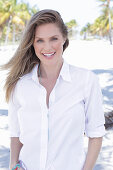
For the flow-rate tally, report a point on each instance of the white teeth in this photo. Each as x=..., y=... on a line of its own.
x=48, y=55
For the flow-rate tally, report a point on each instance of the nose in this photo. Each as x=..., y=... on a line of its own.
x=47, y=46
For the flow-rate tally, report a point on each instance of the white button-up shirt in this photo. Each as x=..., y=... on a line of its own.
x=53, y=137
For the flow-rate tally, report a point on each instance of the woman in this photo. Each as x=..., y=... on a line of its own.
x=51, y=103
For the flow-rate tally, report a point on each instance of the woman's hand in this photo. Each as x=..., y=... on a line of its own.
x=19, y=169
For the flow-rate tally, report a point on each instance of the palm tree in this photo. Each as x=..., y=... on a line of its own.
x=107, y=15
x=100, y=26
x=71, y=25
x=4, y=15
x=19, y=14
x=86, y=30
x=14, y=15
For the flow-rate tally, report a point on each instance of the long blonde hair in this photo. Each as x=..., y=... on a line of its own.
x=25, y=58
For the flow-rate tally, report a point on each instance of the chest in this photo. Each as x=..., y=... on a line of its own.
x=66, y=106
x=48, y=85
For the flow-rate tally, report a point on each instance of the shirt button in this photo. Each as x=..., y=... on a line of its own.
x=47, y=114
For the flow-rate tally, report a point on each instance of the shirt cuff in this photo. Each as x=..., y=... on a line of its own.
x=14, y=134
x=95, y=133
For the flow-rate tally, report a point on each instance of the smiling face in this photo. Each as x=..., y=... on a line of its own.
x=48, y=43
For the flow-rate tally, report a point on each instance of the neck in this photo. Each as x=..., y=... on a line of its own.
x=50, y=72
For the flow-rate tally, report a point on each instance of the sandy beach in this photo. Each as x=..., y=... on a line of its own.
x=93, y=55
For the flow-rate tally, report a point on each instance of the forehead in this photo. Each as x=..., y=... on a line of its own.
x=47, y=30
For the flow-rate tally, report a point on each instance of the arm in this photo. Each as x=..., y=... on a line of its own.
x=15, y=147
x=94, y=147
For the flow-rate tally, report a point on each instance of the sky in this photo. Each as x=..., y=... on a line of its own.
x=83, y=11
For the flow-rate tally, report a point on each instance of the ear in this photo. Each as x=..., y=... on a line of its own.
x=64, y=41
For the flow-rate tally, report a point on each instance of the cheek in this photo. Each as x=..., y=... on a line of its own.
x=37, y=48
x=58, y=46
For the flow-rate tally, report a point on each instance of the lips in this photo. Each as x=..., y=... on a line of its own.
x=49, y=55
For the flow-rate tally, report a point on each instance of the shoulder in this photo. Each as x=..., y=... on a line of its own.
x=23, y=80
x=85, y=80
x=82, y=74
x=28, y=76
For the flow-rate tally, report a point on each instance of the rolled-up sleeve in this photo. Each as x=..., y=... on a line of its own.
x=13, y=106
x=94, y=114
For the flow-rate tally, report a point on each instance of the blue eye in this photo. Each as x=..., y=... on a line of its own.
x=54, y=39
x=39, y=41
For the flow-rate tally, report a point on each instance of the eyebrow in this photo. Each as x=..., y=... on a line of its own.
x=50, y=37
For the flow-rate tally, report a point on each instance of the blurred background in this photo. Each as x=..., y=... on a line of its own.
x=85, y=19
x=90, y=27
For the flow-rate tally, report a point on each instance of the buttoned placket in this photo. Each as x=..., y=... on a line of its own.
x=44, y=119
x=45, y=124
x=44, y=129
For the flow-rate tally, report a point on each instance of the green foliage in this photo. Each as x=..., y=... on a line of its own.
x=14, y=15
x=102, y=25
x=71, y=23
x=86, y=30
x=33, y=10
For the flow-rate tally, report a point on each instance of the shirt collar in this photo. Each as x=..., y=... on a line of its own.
x=34, y=74
x=64, y=73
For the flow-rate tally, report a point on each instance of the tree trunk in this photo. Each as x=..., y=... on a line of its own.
x=0, y=35
x=85, y=35
x=7, y=34
x=13, y=33
x=110, y=36
x=8, y=30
